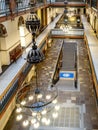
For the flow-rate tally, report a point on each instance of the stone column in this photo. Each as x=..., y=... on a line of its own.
x=4, y=56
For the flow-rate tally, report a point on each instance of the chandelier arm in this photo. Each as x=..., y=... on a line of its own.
x=39, y=106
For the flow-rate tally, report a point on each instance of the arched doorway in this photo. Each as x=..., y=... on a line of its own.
x=21, y=30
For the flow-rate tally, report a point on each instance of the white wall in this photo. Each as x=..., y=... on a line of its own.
x=13, y=31
x=25, y=36
x=5, y=59
x=13, y=39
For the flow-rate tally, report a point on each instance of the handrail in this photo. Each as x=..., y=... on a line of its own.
x=23, y=5
x=57, y=31
x=20, y=6
x=5, y=7
x=58, y=58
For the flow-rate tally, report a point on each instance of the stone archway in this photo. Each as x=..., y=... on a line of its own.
x=21, y=29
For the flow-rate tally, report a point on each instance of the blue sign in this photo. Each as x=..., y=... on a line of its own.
x=66, y=75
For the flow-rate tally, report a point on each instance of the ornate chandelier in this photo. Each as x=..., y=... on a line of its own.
x=65, y=27
x=34, y=102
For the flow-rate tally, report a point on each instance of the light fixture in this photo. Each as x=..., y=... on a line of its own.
x=65, y=27
x=33, y=25
x=33, y=101
x=69, y=12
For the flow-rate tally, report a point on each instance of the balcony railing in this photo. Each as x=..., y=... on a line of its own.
x=23, y=5
x=20, y=5
x=66, y=0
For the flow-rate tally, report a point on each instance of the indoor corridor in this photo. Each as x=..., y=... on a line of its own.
x=78, y=106
x=78, y=109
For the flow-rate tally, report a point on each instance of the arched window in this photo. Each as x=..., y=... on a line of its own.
x=3, y=31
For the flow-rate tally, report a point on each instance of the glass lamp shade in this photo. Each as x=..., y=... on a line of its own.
x=35, y=55
x=32, y=23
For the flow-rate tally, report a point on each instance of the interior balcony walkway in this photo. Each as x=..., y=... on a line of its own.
x=92, y=45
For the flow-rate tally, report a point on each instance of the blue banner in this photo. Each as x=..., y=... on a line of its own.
x=67, y=75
